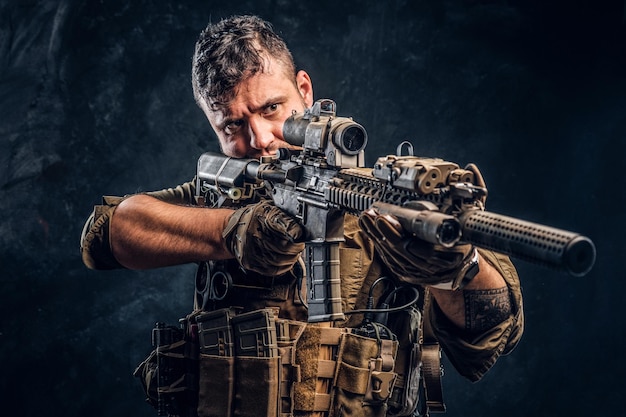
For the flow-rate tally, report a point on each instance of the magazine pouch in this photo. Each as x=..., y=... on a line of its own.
x=364, y=376
x=217, y=363
x=168, y=375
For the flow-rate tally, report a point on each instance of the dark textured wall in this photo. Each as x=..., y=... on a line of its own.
x=95, y=99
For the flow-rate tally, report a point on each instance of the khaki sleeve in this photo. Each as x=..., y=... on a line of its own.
x=474, y=355
x=95, y=246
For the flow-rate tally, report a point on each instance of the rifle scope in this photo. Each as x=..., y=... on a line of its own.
x=317, y=128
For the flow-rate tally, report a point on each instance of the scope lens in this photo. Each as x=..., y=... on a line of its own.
x=350, y=137
x=353, y=139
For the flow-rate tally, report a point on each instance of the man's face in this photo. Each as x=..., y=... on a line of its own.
x=251, y=125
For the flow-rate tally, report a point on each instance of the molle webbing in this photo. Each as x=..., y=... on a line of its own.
x=288, y=333
x=315, y=350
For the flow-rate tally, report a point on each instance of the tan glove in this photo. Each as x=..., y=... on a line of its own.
x=411, y=259
x=416, y=261
x=264, y=239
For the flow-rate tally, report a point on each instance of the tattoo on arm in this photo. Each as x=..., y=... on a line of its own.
x=486, y=308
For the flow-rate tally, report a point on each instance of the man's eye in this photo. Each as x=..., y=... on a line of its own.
x=233, y=127
x=272, y=108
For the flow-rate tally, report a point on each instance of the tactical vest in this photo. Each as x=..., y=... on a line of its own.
x=247, y=350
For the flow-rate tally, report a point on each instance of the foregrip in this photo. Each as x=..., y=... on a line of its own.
x=532, y=242
x=323, y=281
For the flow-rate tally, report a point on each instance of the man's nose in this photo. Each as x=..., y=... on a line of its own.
x=261, y=134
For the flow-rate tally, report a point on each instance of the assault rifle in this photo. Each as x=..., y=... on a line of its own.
x=433, y=199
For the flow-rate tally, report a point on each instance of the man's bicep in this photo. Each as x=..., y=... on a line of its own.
x=95, y=245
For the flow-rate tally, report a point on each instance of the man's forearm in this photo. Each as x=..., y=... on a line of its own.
x=147, y=233
x=483, y=303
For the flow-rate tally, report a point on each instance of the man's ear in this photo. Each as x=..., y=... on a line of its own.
x=305, y=87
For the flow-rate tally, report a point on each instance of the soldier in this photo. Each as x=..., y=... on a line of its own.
x=468, y=301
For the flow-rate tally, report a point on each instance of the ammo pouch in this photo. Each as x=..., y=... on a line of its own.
x=168, y=375
x=343, y=374
x=364, y=377
x=246, y=363
x=232, y=364
x=406, y=392
x=255, y=364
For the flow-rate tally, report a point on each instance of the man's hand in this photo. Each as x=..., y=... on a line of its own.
x=414, y=260
x=264, y=239
x=417, y=261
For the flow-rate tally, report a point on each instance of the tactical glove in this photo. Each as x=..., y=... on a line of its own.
x=264, y=239
x=416, y=261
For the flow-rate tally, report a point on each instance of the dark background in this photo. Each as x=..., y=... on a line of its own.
x=95, y=99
